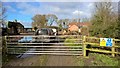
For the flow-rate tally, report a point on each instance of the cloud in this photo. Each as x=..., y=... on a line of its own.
x=55, y=9
x=60, y=9
x=69, y=9
x=90, y=5
x=27, y=8
x=81, y=14
x=65, y=5
x=63, y=9
x=59, y=0
x=76, y=12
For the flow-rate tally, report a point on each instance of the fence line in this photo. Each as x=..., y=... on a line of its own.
x=113, y=52
x=84, y=41
x=14, y=46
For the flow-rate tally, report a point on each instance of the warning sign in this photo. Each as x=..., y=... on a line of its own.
x=102, y=42
x=106, y=42
x=109, y=42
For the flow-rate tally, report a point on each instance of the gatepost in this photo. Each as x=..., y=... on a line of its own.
x=113, y=48
x=4, y=48
x=84, y=46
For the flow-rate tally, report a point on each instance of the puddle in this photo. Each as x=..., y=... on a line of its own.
x=26, y=39
x=26, y=55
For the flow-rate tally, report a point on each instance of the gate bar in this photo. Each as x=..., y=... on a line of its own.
x=44, y=43
x=44, y=46
x=53, y=49
x=49, y=53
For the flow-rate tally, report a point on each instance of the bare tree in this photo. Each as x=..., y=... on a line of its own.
x=2, y=14
x=51, y=18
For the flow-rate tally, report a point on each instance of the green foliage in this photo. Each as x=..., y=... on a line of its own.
x=118, y=29
x=96, y=59
x=60, y=26
x=63, y=23
x=104, y=60
x=79, y=60
x=84, y=31
x=39, y=21
x=104, y=21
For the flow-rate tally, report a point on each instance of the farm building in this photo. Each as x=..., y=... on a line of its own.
x=78, y=26
x=15, y=27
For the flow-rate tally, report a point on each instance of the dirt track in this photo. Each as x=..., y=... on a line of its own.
x=35, y=60
x=61, y=61
x=45, y=60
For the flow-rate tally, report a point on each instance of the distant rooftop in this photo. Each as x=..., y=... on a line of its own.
x=80, y=23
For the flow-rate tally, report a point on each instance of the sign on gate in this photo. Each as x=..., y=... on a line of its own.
x=106, y=42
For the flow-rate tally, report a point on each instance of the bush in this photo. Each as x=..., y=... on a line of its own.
x=105, y=59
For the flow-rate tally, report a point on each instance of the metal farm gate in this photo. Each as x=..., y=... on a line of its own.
x=47, y=45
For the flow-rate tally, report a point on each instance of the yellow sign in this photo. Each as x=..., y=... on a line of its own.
x=102, y=42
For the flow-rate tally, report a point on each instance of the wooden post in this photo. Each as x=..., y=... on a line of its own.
x=84, y=46
x=6, y=50
x=113, y=49
x=6, y=44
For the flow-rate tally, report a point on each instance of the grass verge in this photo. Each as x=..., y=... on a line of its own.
x=96, y=59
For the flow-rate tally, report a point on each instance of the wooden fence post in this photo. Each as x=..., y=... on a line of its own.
x=6, y=44
x=5, y=48
x=113, y=48
x=84, y=46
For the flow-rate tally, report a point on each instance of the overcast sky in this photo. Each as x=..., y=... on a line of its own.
x=24, y=11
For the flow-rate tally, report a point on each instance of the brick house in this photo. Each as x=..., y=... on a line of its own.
x=78, y=26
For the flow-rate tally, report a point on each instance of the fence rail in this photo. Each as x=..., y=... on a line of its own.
x=47, y=46
x=113, y=51
x=38, y=45
x=59, y=47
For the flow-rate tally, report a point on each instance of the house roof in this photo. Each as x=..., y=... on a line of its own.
x=10, y=24
x=80, y=23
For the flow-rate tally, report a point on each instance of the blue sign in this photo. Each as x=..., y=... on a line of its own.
x=109, y=42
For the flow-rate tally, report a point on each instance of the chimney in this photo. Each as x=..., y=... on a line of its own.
x=15, y=20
